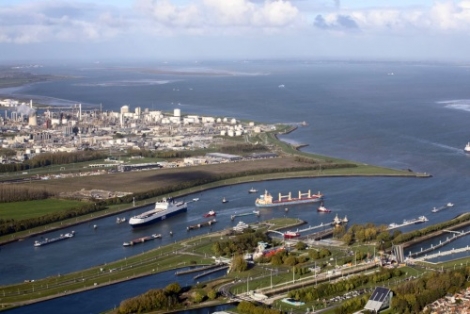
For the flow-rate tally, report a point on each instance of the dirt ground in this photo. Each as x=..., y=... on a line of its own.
x=140, y=181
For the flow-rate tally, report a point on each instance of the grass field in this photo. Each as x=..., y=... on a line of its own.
x=31, y=209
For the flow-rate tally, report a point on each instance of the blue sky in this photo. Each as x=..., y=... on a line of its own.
x=235, y=29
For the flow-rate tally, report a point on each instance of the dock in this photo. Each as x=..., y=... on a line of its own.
x=202, y=224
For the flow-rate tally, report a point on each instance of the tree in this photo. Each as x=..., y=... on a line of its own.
x=239, y=264
x=301, y=246
x=212, y=294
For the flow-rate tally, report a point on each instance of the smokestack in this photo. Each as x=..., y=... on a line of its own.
x=31, y=103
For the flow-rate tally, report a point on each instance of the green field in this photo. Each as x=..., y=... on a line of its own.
x=31, y=209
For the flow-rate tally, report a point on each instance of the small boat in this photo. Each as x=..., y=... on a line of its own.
x=291, y=234
x=467, y=148
x=210, y=214
x=196, y=199
x=323, y=209
x=224, y=200
x=252, y=190
x=438, y=209
x=156, y=236
x=120, y=220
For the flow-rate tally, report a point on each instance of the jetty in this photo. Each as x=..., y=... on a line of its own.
x=255, y=212
x=202, y=224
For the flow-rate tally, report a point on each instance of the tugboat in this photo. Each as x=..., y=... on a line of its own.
x=323, y=209
x=291, y=234
x=209, y=214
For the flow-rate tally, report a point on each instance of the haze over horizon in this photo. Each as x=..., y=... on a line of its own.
x=234, y=29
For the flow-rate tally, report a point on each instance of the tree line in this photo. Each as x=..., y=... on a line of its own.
x=167, y=298
x=8, y=226
x=48, y=159
x=19, y=193
x=412, y=296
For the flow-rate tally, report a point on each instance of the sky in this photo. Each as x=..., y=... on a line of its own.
x=97, y=30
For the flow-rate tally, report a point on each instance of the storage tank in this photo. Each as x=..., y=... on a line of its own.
x=238, y=132
x=138, y=111
x=177, y=113
x=230, y=133
x=125, y=109
x=223, y=132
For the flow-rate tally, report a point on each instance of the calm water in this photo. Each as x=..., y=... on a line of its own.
x=415, y=119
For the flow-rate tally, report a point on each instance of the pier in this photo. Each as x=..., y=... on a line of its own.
x=441, y=243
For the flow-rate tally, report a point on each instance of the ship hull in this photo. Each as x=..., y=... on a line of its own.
x=155, y=218
x=287, y=202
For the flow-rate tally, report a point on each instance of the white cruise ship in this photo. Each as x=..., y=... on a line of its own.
x=165, y=208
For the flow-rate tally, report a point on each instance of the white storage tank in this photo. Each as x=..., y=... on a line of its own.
x=177, y=112
x=230, y=133
x=238, y=132
x=125, y=109
x=223, y=132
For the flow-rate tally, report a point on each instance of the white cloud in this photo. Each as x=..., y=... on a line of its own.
x=216, y=16
x=46, y=21
x=441, y=16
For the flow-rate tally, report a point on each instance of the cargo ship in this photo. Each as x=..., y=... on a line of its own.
x=165, y=208
x=52, y=240
x=142, y=239
x=266, y=200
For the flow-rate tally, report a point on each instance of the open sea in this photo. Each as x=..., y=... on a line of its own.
x=397, y=115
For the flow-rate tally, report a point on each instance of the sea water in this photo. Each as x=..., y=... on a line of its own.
x=415, y=119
